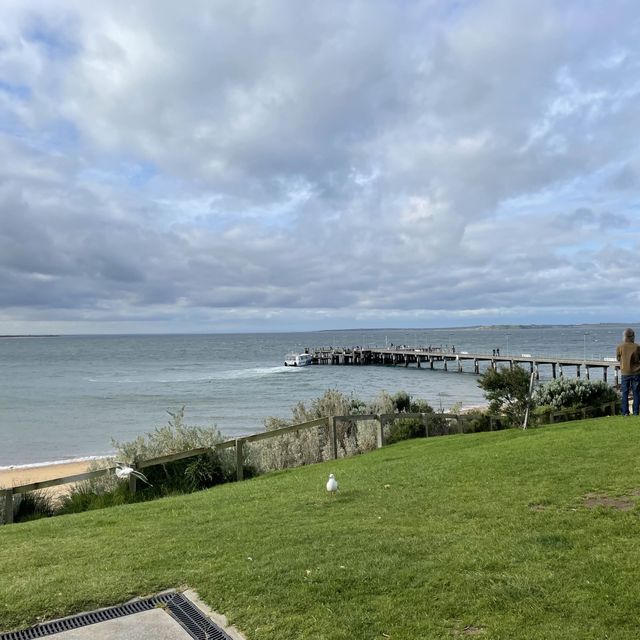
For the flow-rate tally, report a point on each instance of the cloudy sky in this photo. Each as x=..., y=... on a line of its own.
x=238, y=165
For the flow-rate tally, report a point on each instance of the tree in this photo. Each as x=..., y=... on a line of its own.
x=507, y=390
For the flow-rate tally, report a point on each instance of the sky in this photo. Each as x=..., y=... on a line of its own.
x=280, y=165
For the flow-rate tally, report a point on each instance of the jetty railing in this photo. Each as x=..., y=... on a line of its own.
x=444, y=422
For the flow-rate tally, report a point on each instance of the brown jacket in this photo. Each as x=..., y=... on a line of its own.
x=628, y=355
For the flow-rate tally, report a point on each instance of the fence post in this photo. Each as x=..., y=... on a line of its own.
x=239, y=459
x=380, y=433
x=492, y=421
x=425, y=422
x=333, y=437
x=8, y=506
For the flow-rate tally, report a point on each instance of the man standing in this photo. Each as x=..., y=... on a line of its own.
x=628, y=355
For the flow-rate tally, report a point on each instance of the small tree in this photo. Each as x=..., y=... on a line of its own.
x=507, y=390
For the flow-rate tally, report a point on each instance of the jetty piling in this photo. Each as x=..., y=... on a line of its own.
x=445, y=358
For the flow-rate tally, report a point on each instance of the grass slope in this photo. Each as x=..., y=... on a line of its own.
x=477, y=535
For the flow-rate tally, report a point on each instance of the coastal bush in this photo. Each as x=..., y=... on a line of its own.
x=173, y=437
x=476, y=420
x=570, y=393
x=180, y=476
x=507, y=390
x=407, y=428
x=353, y=437
x=86, y=497
x=189, y=474
x=402, y=402
x=34, y=505
x=314, y=445
x=404, y=429
x=203, y=472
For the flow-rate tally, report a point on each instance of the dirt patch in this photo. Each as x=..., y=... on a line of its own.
x=621, y=503
x=471, y=630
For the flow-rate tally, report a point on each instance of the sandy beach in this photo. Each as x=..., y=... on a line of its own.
x=15, y=476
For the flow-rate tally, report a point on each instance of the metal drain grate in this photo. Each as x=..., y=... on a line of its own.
x=193, y=620
x=179, y=607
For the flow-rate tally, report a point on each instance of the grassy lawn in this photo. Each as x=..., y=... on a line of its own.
x=486, y=535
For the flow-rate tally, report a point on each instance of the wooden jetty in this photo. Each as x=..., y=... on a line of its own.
x=455, y=360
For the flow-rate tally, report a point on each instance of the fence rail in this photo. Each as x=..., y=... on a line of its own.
x=238, y=444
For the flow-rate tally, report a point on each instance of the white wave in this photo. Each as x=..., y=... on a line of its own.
x=257, y=372
x=228, y=374
x=50, y=463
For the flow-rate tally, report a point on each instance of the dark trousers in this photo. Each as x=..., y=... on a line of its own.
x=631, y=382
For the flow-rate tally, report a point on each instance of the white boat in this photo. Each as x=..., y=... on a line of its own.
x=297, y=360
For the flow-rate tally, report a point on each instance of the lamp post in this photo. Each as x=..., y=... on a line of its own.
x=508, y=334
x=584, y=346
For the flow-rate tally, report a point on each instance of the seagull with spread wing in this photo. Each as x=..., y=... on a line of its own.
x=124, y=472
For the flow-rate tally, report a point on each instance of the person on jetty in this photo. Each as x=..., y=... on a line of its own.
x=628, y=355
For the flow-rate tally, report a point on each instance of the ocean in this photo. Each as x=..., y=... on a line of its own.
x=67, y=397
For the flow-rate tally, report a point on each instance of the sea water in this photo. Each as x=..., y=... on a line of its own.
x=65, y=397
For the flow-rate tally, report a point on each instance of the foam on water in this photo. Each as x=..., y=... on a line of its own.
x=50, y=463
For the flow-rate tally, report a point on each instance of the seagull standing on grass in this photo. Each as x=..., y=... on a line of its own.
x=332, y=484
x=124, y=472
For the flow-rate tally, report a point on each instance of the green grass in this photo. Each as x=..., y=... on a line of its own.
x=483, y=535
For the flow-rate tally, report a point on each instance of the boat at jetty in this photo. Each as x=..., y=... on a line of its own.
x=297, y=359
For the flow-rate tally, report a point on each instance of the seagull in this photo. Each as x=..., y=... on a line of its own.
x=124, y=472
x=332, y=484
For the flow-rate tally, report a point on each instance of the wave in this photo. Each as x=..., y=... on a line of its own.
x=50, y=463
x=257, y=372
x=228, y=374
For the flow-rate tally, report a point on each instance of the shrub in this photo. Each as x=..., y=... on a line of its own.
x=34, y=505
x=353, y=437
x=404, y=429
x=189, y=474
x=314, y=445
x=85, y=497
x=507, y=390
x=203, y=472
x=402, y=402
x=476, y=420
x=569, y=393
x=183, y=475
x=173, y=437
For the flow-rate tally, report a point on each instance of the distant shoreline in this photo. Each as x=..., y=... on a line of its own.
x=470, y=328
x=29, y=335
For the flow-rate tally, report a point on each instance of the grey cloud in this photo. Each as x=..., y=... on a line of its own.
x=344, y=157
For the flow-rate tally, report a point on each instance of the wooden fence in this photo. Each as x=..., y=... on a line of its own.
x=579, y=413
x=330, y=422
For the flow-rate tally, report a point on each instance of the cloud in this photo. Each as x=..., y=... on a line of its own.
x=339, y=161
